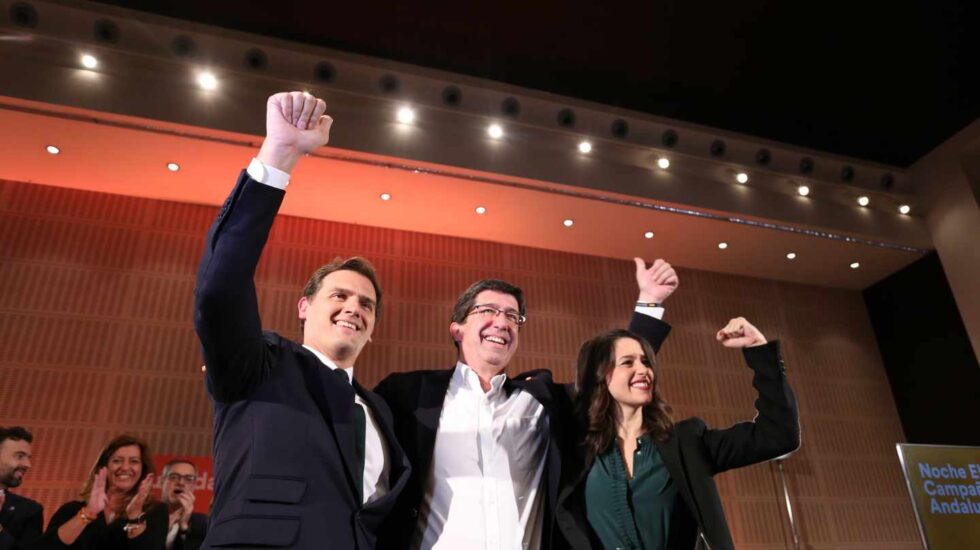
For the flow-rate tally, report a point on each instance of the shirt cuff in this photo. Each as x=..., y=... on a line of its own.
x=655, y=312
x=267, y=175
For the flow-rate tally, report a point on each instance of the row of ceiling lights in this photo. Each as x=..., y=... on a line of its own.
x=406, y=115
x=567, y=222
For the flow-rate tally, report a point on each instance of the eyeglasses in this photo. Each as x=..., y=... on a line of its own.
x=491, y=312
x=189, y=478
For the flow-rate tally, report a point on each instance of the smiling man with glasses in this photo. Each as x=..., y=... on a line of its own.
x=487, y=450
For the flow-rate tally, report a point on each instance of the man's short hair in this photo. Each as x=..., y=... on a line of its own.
x=174, y=462
x=17, y=433
x=356, y=264
x=467, y=299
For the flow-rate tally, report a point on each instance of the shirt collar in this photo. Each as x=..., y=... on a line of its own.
x=329, y=363
x=467, y=378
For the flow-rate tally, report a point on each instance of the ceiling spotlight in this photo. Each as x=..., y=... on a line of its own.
x=742, y=177
x=855, y=265
x=904, y=209
x=663, y=163
x=568, y=222
x=585, y=147
x=406, y=115
x=791, y=256
x=385, y=197
x=52, y=149
x=481, y=210
x=89, y=61
x=722, y=245
x=803, y=190
x=495, y=131
x=648, y=235
x=207, y=80
x=173, y=166
x=864, y=201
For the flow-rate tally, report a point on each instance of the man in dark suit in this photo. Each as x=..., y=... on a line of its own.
x=187, y=528
x=489, y=452
x=21, y=518
x=304, y=457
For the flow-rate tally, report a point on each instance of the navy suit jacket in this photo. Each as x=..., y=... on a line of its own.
x=22, y=520
x=284, y=461
x=416, y=399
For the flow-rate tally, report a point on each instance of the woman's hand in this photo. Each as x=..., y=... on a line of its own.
x=97, y=498
x=135, y=507
x=739, y=333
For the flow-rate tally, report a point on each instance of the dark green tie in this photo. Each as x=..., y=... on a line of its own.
x=360, y=430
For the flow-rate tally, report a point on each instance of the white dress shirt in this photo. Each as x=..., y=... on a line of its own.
x=484, y=489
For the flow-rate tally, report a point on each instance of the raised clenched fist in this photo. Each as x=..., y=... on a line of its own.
x=739, y=333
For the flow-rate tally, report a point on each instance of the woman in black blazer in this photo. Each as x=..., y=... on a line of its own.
x=646, y=482
x=115, y=511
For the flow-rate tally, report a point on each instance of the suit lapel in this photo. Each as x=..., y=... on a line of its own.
x=335, y=401
x=673, y=456
x=432, y=394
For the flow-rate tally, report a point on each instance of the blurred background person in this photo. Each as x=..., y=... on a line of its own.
x=21, y=518
x=115, y=510
x=186, y=528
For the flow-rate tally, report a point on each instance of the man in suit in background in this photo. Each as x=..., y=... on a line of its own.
x=487, y=451
x=187, y=527
x=21, y=518
x=304, y=457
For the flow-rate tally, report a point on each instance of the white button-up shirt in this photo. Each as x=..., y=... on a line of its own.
x=484, y=489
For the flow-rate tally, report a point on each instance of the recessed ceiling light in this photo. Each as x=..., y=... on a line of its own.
x=568, y=222
x=904, y=209
x=791, y=256
x=722, y=245
x=207, y=80
x=495, y=131
x=803, y=190
x=406, y=115
x=585, y=147
x=481, y=210
x=385, y=197
x=53, y=149
x=648, y=235
x=173, y=166
x=855, y=265
x=864, y=201
x=89, y=61
x=663, y=163
x=742, y=177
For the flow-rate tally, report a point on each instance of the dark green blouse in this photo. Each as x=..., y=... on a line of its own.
x=635, y=513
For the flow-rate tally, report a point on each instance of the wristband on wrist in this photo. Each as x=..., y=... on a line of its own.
x=649, y=304
x=139, y=519
x=85, y=518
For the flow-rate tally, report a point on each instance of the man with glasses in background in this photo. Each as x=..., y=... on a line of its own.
x=187, y=527
x=487, y=450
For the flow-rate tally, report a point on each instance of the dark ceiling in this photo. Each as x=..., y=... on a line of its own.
x=881, y=81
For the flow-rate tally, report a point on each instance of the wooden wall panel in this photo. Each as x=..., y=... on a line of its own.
x=96, y=338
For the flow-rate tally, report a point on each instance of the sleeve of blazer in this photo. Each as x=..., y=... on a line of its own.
x=650, y=328
x=226, y=314
x=775, y=430
x=29, y=531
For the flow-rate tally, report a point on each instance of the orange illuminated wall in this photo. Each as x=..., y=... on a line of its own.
x=96, y=339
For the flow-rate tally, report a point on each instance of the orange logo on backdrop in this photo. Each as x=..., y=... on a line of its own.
x=203, y=488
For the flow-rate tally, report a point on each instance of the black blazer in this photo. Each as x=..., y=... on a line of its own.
x=22, y=520
x=99, y=535
x=283, y=432
x=416, y=400
x=196, y=530
x=694, y=453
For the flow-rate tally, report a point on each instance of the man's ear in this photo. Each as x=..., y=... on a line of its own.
x=456, y=331
x=301, y=306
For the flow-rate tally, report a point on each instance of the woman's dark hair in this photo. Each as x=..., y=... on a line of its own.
x=594, y=404
x=106, y=453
